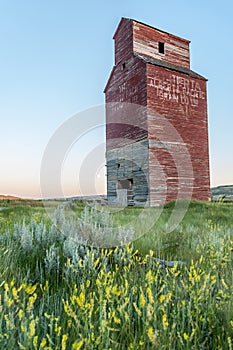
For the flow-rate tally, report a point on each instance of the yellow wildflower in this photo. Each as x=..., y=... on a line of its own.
x=185, y=335
x=137, y=310
x=31, y=302
x=149, y=277
x=98, y=283
x=122, y=307
x=152, y=335
x=149, y=311
x=63, y=342
x=43, y=343
x=126, y=287
x=168, y=296
x=91, y=307
x=10, y=302
x=88, y=283
x=108, y=291
x=98, y=340
x=30, y=289
x=46, y=286
x=162, y=297
x=77, y=345
x=23, y=327
x=96, y=262
x=81, y=300
x=150, y=295
x=224, y=283
x=115, y=291
x=213, y=280
x=32, y=329
x=165, y=321
x=103, y=325
x=35, y=341
x=6, y=287
x=115, y=319
x=229, y=341
x=49, y=339
x=192, y=334
x=80, y=263
x=57, y=329
x=15, y=293
x=20, y=314
x=142, y=300
x=128, y=248
x=9, y=324
x=126, y=316
x=22, y=347
x=69, y=263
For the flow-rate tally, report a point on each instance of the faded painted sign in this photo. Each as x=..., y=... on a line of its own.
x=177, y=89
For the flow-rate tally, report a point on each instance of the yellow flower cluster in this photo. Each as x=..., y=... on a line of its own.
x=105, y=304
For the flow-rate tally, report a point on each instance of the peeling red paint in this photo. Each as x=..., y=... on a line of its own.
x=164, y=84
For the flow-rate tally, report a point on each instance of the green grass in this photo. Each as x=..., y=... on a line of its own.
x=201, y=220
x=56, y=293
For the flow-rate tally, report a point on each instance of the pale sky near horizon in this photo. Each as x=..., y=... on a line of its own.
x=56, y=57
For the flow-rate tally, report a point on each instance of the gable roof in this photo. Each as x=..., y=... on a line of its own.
x=149, y=26
x=160, y=63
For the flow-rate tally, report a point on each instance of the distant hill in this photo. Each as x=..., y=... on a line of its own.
x=97, y=198
x=226, y=190
x=12, y=198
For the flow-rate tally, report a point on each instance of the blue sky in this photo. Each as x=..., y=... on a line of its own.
x=56, y=57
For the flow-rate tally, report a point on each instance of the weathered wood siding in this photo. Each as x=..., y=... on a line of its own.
x=123, y=40
x=181, y=100
x=156, y=118
x=126, y=121
x=129, y=162
x=126, y=91
x=146, y=42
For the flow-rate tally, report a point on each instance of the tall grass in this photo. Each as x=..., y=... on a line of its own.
x=56, y=293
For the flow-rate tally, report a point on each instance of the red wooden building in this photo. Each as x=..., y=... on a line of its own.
x=156, y=120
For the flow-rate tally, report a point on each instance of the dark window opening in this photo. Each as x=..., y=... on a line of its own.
x=123, y=66
x=161, y=47
x=118, y=165
x=130, y=183
x=125, y=184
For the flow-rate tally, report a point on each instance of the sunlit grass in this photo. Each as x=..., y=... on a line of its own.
x=58, y=294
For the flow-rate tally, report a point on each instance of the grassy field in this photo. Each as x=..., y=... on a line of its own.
x=56, y=293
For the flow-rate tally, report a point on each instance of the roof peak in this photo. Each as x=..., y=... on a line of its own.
x=150, y=26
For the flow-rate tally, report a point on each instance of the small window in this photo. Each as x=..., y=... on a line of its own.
x=118, y=165
x=161, y=47
x=123, y=66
